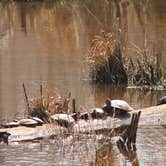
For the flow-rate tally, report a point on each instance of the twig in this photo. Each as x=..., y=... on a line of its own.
x=90, y=12
x=26, y=99
x=41, y=94
x=74, y=105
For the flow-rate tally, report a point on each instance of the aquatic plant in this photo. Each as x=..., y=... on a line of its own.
x=145, y=68
x=105, y=60
x=107, y=65
x=45, y=106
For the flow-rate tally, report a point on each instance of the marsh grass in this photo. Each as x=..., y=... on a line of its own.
x=146, y=69
x=107, y=63
x=45, y=106
x=105, y=60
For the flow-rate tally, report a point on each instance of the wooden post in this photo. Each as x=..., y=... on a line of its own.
x=135, y=128
x=129, y=137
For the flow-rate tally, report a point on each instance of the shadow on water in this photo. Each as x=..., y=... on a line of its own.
x=46, y=42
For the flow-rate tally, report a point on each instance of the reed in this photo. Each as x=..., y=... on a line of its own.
x=107, y=65
x=145, y=68
x=45, y=106
x=105, y=60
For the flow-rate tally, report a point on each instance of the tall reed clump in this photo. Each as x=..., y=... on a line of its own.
x=107, y=65
x=146, y=69
x=105, y=60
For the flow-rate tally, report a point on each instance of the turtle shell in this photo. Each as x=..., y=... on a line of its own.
x=84, y=115
x=28, y=122
x=38, y=120
x=97, y=113
x=121, y=104
x=97, y=110
x=11, y=124
x=63, y=119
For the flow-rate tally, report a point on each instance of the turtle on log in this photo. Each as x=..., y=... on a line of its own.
x=117, y=108
x=64, y=120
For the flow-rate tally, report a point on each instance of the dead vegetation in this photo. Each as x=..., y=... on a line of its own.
x=45, y=106
x=105, y=60
x=147, y=69
x=108, y=65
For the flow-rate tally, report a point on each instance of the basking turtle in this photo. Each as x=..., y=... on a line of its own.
x=117, y=108
x=108, y=109
x=11, y=124
x=41, y=113
x=84, y=115
x=75, y=115
x=97, y=113
x=94, y=113
x=38, y=120
x=162, y=100
x=64, y=120
x=28, y=122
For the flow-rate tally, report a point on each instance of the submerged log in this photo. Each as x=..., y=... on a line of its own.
x=149, y=116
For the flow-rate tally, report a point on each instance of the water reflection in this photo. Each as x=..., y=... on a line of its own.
x=80, y=150
x=47, y=42
x=88, y=150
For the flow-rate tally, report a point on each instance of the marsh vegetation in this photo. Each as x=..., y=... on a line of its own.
x=110, y=61
x=46, y=42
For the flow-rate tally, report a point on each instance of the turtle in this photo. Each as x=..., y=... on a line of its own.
x=97, y=113
x=41, y=113
x=162, y=100
x=93, y=113
x=64, y=120
x=38, y=120
x=117, y=108
x=84, y=115
x=11, y=124
x=75, y=115
x=28, y=122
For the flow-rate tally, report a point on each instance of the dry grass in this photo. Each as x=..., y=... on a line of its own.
x=53, y=104
x=146, y=69
x=45, y=106
x=107, y=65
x=105, y=60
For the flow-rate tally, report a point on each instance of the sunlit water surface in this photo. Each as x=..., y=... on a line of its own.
x=46, y=43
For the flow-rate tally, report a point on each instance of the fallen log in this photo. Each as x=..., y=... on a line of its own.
x=149, y=116
x=23, y=133
x=155, y=115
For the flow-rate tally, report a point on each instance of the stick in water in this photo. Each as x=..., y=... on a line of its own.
x=41, y=94
x=26, y=99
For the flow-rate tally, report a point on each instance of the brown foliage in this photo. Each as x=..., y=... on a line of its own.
x=105, y=60
x=45, y=106
x=106, y=64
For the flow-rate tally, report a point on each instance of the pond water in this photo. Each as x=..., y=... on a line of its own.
x=46, y=43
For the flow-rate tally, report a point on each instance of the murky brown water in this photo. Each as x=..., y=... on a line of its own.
x=47, y=43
